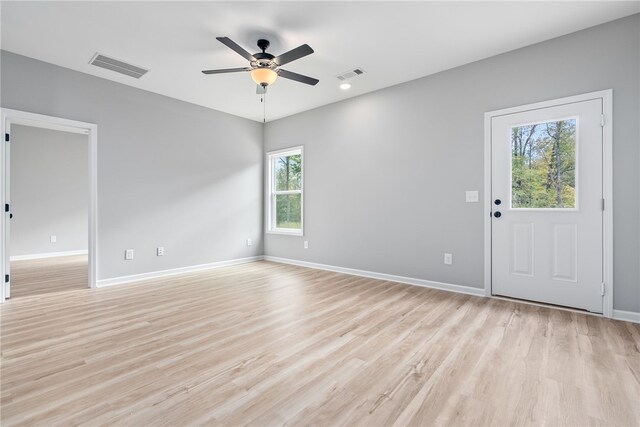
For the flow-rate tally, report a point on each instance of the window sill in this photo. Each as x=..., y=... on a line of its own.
x=286, y=232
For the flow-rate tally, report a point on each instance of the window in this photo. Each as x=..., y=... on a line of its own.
x=543, y=165
x=285, y=210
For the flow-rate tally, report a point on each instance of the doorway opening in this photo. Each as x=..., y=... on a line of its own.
x=49, y=193
x=49, y=190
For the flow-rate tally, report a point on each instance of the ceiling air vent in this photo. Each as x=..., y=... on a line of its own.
x=118, y=66
x=351, y=73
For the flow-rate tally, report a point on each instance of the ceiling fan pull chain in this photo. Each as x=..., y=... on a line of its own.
x=264, y=108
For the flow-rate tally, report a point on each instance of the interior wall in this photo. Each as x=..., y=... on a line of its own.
x=386, y=172
x=170, y=173
x=49, y=191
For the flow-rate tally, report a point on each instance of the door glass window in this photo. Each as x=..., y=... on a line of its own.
x=543, y=165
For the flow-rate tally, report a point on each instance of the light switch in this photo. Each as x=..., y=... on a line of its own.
x=128, y=254
x=54, y=239
x=471, y=196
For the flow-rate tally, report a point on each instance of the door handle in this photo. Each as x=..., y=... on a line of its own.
x=497, y=201
x=497, y=214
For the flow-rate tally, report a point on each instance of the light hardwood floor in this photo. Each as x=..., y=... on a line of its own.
x=43, y=276
x=269, y=344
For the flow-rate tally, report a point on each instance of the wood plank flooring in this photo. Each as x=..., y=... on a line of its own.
x=46, y=275
x=269, y=344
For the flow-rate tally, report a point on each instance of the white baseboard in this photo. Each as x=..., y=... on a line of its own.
x=163, y=273
x=627, y=316
x=382, y=276
x=48, y=255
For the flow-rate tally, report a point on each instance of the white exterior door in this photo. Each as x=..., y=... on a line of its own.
x=547, y=205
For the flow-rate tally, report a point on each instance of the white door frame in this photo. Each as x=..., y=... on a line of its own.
x=9, y=117
x=607, y=185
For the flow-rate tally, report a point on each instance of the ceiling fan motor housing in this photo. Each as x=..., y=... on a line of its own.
x=263, y=59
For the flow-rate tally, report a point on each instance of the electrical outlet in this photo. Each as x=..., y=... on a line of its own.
x=160, y=251
x=54, y=239
x=448, y=259
x=128, y=254
x=249, y=242
x=306, y=244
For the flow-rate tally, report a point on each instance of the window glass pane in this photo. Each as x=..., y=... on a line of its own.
x=543, y=165
x=288, y=211
x=288, y=172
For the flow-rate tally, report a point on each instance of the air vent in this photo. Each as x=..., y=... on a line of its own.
x=118, y=66
x=351, y=73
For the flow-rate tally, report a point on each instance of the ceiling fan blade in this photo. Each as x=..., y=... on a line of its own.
x=236, y=47
x=298, y=77
x=226, y=70
x=261, y=90
x=293, y=54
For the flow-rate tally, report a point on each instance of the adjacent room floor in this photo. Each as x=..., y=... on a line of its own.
x=272, y=344
x=48, y=275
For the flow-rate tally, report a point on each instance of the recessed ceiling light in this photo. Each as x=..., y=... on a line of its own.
x=345, y=86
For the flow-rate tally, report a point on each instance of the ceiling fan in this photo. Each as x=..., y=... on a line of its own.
x=264, y=67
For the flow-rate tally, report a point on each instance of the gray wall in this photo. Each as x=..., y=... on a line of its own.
x=170, y=173
x=386, y=172
x=49, y=190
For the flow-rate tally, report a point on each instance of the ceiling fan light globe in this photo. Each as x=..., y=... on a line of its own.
x=264, y=76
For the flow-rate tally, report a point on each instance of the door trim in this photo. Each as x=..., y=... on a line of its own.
x=8, y=117
x=607, y=185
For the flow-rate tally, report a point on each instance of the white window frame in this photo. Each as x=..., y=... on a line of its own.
x=271, y=192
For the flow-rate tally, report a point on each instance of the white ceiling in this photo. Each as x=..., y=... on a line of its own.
x=393, y=41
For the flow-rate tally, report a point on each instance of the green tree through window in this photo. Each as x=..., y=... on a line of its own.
x=288, y=177
x=543, y=165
